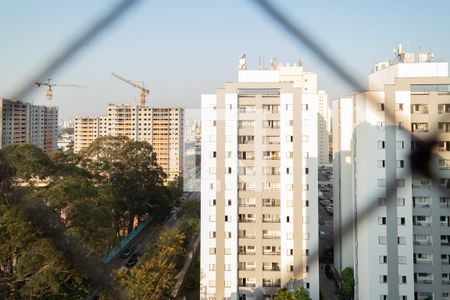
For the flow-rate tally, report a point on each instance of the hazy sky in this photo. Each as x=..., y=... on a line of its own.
x=181, y=48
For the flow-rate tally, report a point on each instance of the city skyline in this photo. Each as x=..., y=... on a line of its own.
x=165, y=42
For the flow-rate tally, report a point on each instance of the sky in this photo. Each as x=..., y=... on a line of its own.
x=182, y=49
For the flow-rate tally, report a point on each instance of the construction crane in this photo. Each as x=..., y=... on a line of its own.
x=50, y=84
x=144, y=91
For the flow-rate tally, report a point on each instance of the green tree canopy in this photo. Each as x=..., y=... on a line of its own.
x=154, y=278
x=300, y=294
x=6, y=177
x=190, y=209
x=30, y=266
x=348, y=284
x=28, y=161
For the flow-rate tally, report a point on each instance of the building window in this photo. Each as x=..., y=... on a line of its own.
x=381, y=220
x=212, y=251
x=381, y=163
x=383, y=259
x=382, y=240
x=380, y=144
x=383, y=278
x=401, y=240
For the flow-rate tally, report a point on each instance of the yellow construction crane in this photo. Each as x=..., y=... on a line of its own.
x=144, y=91
x=50, y=84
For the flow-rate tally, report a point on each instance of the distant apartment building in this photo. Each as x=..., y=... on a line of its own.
x=398, y=242
x=86, y=130
x=162, y=127
x=323, y=128
x=259, y=211
x=22, y=122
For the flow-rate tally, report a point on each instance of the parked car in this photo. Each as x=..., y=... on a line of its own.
x=325, y=202
x=329, y=209
x=132, y=261
x=127, y=252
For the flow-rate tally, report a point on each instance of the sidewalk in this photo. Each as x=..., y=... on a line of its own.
x=327, y=286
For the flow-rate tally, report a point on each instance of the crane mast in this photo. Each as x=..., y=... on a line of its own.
x=49, y=84
x=144, y=92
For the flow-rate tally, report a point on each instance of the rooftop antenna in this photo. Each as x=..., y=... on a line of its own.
x=242, y=62
x=274, y=63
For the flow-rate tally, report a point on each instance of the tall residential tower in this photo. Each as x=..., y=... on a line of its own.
x=22, y=122
x=397, y=242
x=259, y=212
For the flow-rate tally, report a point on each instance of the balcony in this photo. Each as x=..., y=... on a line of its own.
x=422, y=242
x=247, y=253
x=422, y=223
x=271, y=267
x=420, y=183
x=244, y=220
x=423, y=281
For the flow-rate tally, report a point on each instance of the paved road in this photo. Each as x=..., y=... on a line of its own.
x=141, y=242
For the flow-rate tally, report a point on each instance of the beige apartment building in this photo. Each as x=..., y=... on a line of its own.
x=162, y=127
x=22, y=122
x=259, y=212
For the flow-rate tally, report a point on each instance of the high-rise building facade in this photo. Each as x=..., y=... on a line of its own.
x=86, y=130
x=392, y=226
x=323, y=128
x=22, y=122
x=162, y=127
x=259, y=212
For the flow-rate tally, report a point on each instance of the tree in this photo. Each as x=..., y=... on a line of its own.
x=84, y=209
x=300, y=294
x=348, y=284
x=155, y=277
x=190, y=209
x=6, y=177
x=28, y=161
x=30, y=266
x=135, y=178
x=101, y=155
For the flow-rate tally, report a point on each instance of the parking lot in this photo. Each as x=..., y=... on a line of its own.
x=326, y=202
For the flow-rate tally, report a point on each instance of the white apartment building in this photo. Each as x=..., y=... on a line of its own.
x=162, y=127
x=398, y=243
x=259, y=211
x=324, y=128
x=22, y=122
